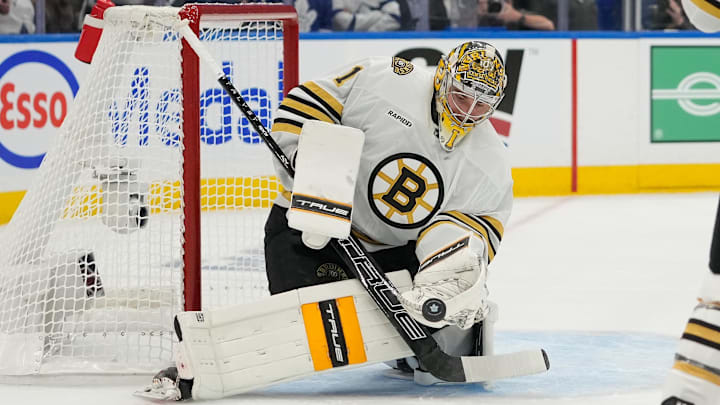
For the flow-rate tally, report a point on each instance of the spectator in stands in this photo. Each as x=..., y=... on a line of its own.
x=17, y=17
x=669, y=15
x=461, y=14
x=178, y=3
x=438, y=16
x=473, y=14
x=64, y=15
x=583, y=14
x=502, y=13
x=370, y=15
x=314, y=15
x=417, y=14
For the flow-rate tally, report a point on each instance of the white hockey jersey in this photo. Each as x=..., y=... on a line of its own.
x=408, y=187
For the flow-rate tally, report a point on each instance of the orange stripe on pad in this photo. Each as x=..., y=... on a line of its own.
x=351, y=329
x=316, y=336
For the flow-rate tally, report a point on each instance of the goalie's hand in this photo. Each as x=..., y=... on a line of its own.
x=451, y=291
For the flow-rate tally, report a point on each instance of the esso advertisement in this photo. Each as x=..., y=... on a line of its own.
x=37, y=87
x=32, y=110
x=38, y=83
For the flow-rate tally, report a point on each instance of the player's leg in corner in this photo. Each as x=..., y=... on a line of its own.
x=695, y=376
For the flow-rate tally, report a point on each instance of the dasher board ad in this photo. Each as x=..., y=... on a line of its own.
x=685, y=104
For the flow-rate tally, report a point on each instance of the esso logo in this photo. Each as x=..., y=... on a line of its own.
x=36, y=92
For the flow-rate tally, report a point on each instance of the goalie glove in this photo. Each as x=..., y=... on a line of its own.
x=172, y=383
x=164, y=386
x=449, y=288
x=167, y=386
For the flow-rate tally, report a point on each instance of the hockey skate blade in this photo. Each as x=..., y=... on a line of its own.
x=500, y=366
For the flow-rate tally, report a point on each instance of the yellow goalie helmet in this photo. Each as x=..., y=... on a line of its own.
x=469, y=85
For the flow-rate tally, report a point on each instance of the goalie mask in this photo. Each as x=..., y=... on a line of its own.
x=469, y=85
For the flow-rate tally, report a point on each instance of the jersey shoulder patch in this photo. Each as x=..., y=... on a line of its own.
x=401, y=66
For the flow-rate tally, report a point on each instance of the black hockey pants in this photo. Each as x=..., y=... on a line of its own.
x=290, y=264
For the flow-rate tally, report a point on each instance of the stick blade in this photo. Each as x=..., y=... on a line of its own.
x=499, y=366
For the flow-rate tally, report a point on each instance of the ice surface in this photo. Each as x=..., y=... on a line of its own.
x=603, y=283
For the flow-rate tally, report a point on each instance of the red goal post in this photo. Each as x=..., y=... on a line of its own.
x=197, y=13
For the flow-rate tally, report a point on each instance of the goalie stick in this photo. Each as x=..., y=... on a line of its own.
x=417, y=336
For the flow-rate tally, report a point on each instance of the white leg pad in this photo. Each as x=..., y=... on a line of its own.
x=288, y=336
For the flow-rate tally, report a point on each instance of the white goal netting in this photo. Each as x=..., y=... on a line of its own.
x=93, y=263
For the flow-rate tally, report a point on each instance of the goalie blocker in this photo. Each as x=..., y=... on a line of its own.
x=326, y=168
x=291, y=335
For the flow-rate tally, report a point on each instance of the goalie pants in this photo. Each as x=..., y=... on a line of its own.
x=291, y=265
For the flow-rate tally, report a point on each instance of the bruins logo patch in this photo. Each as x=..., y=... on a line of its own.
x=405, y=190
x=401, y=66
x=331, y=271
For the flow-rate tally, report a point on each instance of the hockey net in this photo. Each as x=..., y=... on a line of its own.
x=153, y=196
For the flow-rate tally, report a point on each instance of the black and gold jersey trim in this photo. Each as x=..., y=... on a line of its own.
x=490, y=231
x=307, y=107
x=287, y=125
x=697, y=369
x=365, y=238
x=299, y=113
x=711, y=7
x=331, y=104
x=491, y=223
x=703, y=333
x=478, y=226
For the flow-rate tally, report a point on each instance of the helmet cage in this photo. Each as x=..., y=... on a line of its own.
x=467, y=116
x=469, y=86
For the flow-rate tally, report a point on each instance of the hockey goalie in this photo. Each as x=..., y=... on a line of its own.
x=404, y=160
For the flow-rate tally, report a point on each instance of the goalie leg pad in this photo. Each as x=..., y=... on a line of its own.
x=287, y=336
